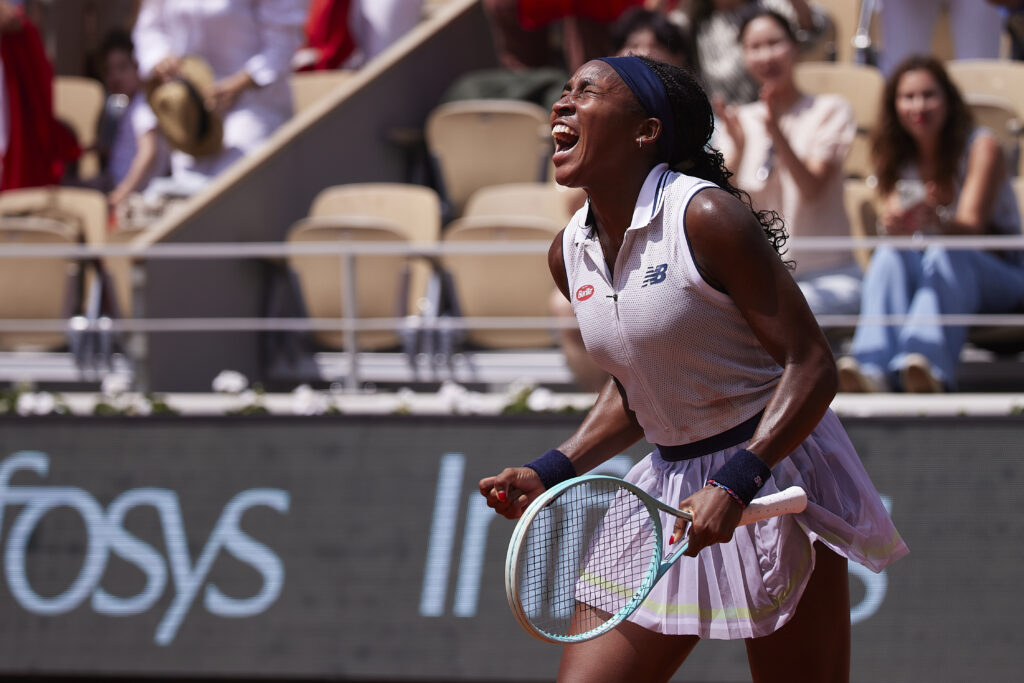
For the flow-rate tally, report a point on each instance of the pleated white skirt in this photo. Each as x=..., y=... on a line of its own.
x=750, y=586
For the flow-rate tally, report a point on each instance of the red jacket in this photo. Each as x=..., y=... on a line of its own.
x=536, y=13
x=327, y=31
x=38, y=146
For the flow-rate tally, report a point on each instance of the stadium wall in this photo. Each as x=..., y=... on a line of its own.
x=357, y=548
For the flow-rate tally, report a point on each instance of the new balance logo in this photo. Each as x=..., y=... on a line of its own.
x=655, y=274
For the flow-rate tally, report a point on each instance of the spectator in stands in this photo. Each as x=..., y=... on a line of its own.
x=350, y=33
x=329, y=39
x=937, y=174
x=523, y=31
x=908, y=27
x=136, y=152
x=714, y=25
x=787, y=151
x=35, y=148
x=645, y=32
x=249, y=46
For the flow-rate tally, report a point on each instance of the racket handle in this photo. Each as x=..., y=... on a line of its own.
x=792, y=500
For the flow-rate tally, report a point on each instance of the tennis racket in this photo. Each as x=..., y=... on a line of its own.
x=588, y=551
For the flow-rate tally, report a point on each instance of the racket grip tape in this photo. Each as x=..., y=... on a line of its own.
x=789, y=501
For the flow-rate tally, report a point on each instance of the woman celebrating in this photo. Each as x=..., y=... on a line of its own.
x=787, y=150
x=937, y=174
x=716, y=358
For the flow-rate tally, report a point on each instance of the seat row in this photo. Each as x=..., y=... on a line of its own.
x=395, y=285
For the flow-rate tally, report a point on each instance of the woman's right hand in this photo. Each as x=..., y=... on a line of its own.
x=167, y=68
x=511, y=491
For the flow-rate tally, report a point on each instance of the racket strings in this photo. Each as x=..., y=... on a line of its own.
x=585, y=556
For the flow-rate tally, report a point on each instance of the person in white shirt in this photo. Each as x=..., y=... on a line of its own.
x=249, y=45
x=787, y=151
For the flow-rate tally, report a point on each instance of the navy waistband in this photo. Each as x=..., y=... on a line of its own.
x=730, y=437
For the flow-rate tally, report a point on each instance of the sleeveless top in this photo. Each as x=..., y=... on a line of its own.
x=690, y=365
x=1005, y=218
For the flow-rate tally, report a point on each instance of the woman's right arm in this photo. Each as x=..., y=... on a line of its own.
x=152, y=44
x=609, y=428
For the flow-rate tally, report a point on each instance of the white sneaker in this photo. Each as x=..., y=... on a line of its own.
x=853, y=379
x=917, y=376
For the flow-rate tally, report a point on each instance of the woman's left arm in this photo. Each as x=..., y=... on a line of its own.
x=986, y=172
x=733, y=255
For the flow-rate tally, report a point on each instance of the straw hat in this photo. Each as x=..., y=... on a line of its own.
x=180, y=110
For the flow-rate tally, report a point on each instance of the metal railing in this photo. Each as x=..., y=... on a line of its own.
x=350, y=323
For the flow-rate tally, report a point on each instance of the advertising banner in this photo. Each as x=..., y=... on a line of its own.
x=359, y=547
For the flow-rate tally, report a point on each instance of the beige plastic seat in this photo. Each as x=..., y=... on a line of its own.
x=478, y=143
x=309, y=87
x=861, y=204
x=502, y=285
x=542, y=200
x=78, y=102
x=862, y=87
x=85, y=208
x=379, y=280
x=386, y=286
x=992, y=77
x=36, y=288
x=845, y=16
x=999, y=115
x=119, y=272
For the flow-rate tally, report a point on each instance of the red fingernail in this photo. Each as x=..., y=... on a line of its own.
x=672, y=539
x=502, y=496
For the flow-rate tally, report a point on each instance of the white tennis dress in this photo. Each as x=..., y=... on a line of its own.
x=692, y=368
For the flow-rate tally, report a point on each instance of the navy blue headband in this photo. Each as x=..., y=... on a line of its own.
x=649, y=89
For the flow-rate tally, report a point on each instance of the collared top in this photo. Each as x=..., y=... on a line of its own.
x=687, y=359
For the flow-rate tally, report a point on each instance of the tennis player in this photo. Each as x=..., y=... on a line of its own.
x=683, y=297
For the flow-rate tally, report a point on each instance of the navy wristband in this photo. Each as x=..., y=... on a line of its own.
x=742, y=475
x=553, y=468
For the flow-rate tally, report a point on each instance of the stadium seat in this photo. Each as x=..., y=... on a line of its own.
x=82, y=208
x=78, y=102
x=542, y=200
x=477, y=143
x=999, y=115
x=502, y=285
x=862, y=87
x=845, y=16
x=860, y=202
x=992, y=77
x=387, y=286
x=37, y=288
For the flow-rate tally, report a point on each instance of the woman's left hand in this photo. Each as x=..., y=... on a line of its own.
x=226, y=92
x=715, y=517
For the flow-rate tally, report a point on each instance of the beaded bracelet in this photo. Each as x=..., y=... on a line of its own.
x=742, y=475
x=553, y=467
x=728, y=490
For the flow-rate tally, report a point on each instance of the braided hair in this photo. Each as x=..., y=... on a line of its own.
x=693, y=123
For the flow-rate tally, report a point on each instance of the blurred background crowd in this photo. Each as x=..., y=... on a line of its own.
x=888, y=118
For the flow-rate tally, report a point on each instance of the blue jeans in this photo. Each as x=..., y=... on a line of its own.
x=921, y=285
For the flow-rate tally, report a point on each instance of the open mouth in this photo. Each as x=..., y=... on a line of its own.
x=565, y=137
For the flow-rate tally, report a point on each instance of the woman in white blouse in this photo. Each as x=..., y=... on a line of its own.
x=249, y=45
x=787, y=151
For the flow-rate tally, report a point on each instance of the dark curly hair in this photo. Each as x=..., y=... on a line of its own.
x=693, y=123
x=892, y=148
